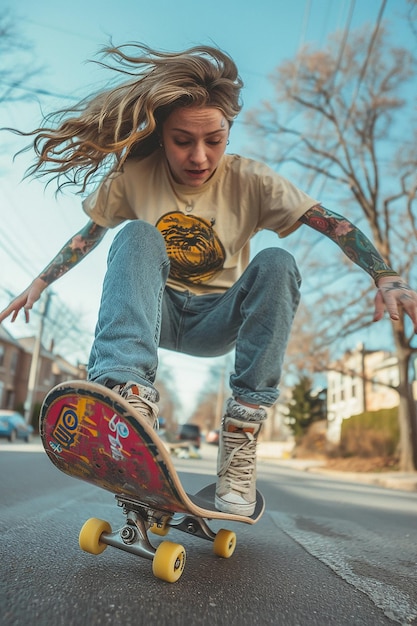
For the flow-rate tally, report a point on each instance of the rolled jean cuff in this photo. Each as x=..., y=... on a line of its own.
x=264, y=398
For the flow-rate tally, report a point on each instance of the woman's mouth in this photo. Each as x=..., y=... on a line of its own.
x=197, y=173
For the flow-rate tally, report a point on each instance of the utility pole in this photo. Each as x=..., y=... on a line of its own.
x=34, y=364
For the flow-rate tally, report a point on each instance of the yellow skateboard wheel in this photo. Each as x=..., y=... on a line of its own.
x=169, y=561
x=90, y=533
x=224, y=543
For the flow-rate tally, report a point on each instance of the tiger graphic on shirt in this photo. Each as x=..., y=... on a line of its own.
x=193, y=247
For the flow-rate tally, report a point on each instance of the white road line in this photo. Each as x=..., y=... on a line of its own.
x=380, y=566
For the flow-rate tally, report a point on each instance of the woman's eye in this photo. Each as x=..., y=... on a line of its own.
x=187, y=142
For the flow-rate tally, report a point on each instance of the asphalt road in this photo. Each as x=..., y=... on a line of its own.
x=325, y=552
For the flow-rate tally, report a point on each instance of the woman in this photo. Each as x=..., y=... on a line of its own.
x=178, y=273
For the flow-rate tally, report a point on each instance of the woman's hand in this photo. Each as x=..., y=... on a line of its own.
x=25, y=301
x=393, y=294
x=72, y=252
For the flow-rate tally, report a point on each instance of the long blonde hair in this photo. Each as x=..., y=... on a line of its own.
x=123, y=121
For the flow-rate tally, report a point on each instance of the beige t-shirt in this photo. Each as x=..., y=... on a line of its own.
x=207, y=229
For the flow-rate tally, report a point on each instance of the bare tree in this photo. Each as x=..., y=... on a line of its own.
x=19, y=82
x=205, y=412
x=344, y=116
x=17, y=68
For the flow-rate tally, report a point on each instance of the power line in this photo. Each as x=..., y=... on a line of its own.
x=18, y=258
x=11, y=242
x=367, y=58
x=37, y=90
x=345, y=36
x=55, y=28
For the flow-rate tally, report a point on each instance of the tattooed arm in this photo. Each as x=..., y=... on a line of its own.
x=72, y=252
x=393, y=291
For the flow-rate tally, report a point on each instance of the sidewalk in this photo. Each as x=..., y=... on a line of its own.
x=275, y=452
x=269, y=451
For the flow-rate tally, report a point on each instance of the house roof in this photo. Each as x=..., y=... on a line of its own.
x=6, y=336
x=28, y=344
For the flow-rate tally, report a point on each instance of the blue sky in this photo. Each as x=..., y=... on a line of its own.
x=258, y=35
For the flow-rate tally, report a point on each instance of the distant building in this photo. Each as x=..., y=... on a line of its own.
x=15, y=363
x=362, y=380
x=276, y=427
x=11, y=356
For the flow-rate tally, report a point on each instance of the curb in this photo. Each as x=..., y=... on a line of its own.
x=405, y=482
x=389, y=480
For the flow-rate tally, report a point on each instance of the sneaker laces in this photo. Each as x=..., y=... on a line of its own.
x=140, y=406
x=240, y=458
x=146, y=408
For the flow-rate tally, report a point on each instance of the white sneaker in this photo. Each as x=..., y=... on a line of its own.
x=236, y=465
x=138, y=397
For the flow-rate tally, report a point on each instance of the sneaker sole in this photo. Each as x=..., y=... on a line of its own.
x=237, y=509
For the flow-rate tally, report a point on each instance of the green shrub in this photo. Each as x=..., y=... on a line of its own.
x=373, y=433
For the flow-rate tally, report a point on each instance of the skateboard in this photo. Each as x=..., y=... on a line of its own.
x=91, y=433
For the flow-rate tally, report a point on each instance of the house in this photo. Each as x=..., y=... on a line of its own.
x=11, y=355
x=362, y=380
x=15, y=365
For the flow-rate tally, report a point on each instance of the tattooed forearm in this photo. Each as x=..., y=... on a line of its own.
x=350, y=239
x=73, y=251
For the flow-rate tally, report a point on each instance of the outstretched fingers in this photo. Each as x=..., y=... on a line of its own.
x=14, y=309
x=24, y=301
x=393, y=296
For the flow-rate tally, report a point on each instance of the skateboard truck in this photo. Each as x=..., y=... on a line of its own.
x=168, y=559
x=132, y=537
x=159, y=523
x=192, y=526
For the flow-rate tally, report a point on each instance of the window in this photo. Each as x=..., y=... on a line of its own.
x=13, y=362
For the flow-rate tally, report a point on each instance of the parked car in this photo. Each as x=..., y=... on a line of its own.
x=191, y=433
x=13, y=426
x=213, y=437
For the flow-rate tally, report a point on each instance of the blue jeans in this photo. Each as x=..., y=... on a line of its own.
x=139, y=313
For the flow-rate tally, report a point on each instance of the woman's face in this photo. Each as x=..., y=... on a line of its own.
x=194, y=140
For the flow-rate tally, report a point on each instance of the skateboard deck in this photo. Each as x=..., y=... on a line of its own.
x=93, y=434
